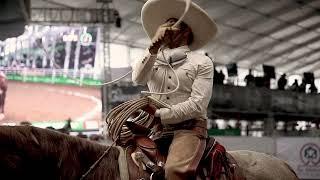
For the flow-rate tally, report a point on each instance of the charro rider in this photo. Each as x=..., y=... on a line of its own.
x=172, y=49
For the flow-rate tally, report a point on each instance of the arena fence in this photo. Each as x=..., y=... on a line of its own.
x=52, y=76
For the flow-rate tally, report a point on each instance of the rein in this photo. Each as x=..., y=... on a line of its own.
x=94, y=165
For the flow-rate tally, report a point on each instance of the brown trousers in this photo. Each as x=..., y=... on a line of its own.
x=185, y=152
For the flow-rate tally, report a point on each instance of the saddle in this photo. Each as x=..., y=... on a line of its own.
x=146, y=161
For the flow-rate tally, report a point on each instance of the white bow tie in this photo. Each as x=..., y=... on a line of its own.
x=172, y=56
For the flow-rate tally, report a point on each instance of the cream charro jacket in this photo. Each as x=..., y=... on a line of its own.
x=191, y=99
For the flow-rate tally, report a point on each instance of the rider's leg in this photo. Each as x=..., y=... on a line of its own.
x=185, y=153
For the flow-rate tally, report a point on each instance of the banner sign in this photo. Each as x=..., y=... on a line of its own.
x=303, y=155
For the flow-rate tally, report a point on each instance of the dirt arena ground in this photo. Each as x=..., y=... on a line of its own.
x=46, y=102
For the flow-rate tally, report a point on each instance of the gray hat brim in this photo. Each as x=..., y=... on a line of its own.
x=155, y=12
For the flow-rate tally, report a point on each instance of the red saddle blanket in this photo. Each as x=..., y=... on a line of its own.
x=216, y=162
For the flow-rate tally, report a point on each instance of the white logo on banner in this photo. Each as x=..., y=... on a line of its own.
x=310, y=158
x=85, y=39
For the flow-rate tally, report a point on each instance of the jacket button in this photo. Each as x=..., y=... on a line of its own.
x=169, y=77
x=168, y=98
x=168, y=87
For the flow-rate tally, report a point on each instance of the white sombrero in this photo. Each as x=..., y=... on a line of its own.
x=156, y=12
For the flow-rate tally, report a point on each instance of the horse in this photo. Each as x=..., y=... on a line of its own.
x=28, y=152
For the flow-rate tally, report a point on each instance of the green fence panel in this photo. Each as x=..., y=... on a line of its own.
x=224, y=132
x=75, y=126
x=54, y=80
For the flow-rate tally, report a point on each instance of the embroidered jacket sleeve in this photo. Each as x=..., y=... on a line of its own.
x=141, y=69
x=197, y=103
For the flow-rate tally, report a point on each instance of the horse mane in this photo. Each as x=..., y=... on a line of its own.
x=29, y=152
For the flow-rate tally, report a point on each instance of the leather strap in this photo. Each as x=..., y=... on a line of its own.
x=123, y=166
x=188, y=124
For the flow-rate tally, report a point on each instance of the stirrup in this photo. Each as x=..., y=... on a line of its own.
x=141, y=160
x=157, y=175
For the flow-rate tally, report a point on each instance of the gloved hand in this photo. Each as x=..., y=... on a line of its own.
x=151, y=109
x=165, y=34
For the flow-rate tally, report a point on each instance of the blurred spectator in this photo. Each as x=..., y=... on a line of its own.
x=214, y=125
x=294, y=86
x=215, y=76
x=247, y=129
x=313, y=89
x=259, y=81
x=238, y=124
x=294, y=125
x=300, y=131
x=51, y=128
x=96, y=137
x=218, y=77
x=38, y=62
x=80, y=135
x=229, y=127
x=266, y=81
x=67, y=127
x=249, y=79
x=302, y=87
x=285, y=127
x=25, y=123
x=14, y=62
x=221, y=77
x=308, y=126
x=282, y=82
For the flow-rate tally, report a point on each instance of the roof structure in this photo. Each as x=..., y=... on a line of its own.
x=281, y=33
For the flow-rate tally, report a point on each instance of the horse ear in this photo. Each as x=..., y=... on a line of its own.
x=137, y=129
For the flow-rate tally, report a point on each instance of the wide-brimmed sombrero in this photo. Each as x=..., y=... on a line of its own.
x=156, y=12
